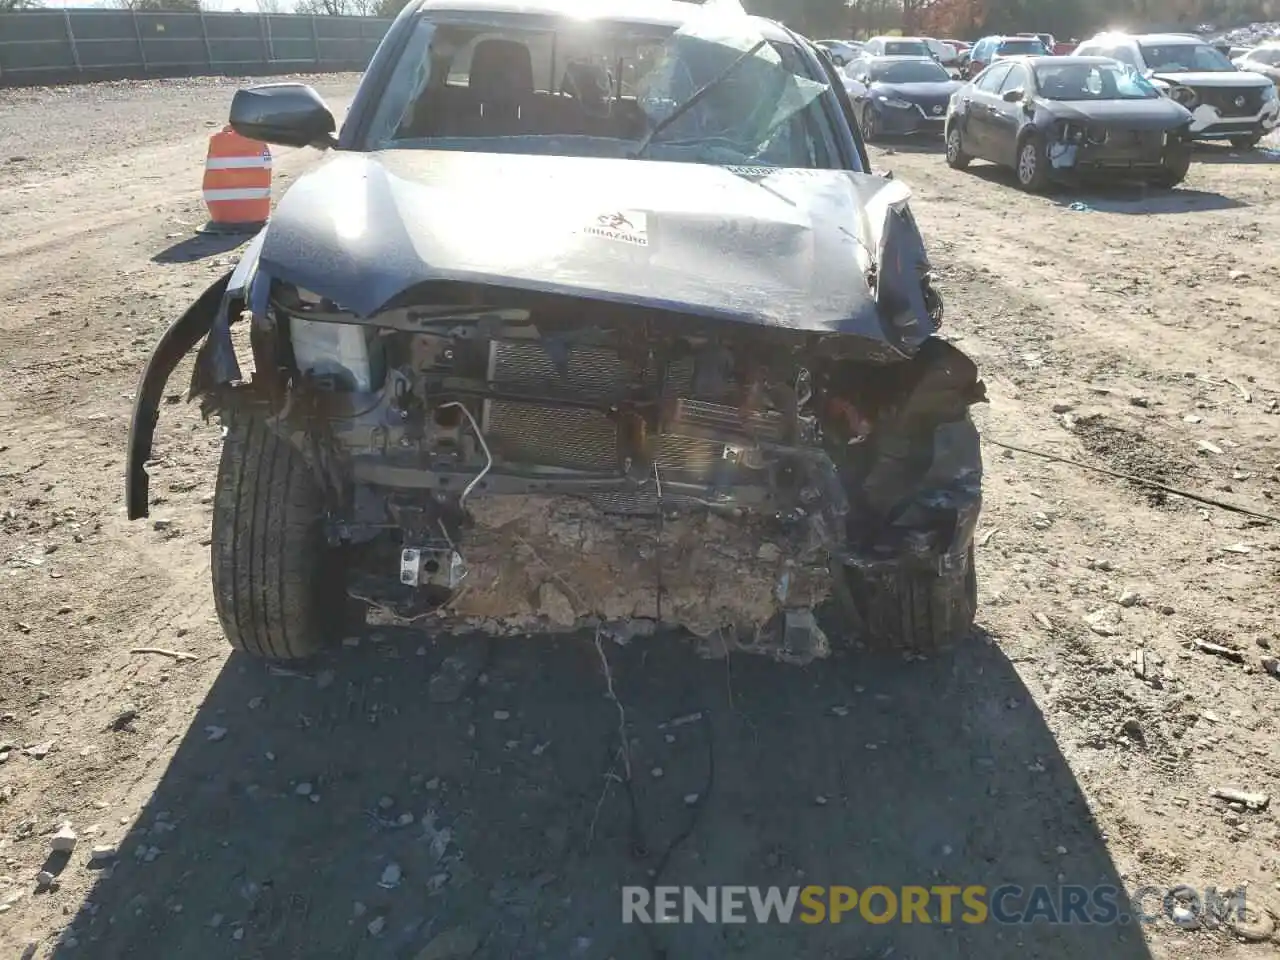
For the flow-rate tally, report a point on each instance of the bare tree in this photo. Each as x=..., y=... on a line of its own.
x=8, y=5
x=176, y=6
x=339, y=8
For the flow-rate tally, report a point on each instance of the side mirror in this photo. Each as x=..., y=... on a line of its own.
x=1012, y=96
x=285, y=114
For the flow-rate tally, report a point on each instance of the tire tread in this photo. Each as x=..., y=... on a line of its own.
x=267, y=553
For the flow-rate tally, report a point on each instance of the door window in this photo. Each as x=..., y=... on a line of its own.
x=1016, y=79
x=990, y=81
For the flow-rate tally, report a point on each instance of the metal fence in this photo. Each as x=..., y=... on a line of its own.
x=59, y=46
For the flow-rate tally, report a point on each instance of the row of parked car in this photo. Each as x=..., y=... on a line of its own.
x=1133, y=103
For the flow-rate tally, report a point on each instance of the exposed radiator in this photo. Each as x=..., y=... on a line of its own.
x=693, y=440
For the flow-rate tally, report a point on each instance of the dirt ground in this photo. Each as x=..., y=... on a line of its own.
x=256, y=812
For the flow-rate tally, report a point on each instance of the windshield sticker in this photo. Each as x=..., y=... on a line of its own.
x=623, y=226
x=752, y=172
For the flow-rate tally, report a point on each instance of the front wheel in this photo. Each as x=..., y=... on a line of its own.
x=1246, y=142
x=1173, y=168
x=870, y=126
x=1032, y=165
x=273, y=572
x=957, y=159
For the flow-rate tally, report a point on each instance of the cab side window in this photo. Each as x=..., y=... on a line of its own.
x=1015, y=79
x=1123, y=54
x=990, y=81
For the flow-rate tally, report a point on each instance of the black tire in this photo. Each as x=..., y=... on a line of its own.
x=273, y=573
x=1031, y=164
x=870, y=128
x=1176, y=166
x=1246, y=142
x=957, y=159
x=901, y=607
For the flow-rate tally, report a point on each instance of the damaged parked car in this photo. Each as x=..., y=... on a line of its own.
x=1050, y=117
x=586, y=320
x=1226, y=103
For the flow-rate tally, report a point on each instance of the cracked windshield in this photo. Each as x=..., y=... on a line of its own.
x=715, y=91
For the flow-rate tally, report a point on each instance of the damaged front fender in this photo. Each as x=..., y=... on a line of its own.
x=175, y=343
x=210, y=317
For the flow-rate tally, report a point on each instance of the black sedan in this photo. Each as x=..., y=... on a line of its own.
x=896, y=96
x=1049, y=117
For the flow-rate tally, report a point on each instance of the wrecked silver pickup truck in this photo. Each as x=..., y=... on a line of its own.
x=585, y=321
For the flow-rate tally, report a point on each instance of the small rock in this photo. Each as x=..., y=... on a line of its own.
x=1271, y=665
x=1132, y=728
x=64, y=841
x=1063, y=406
x=656, y=773
x=1139, y=402
x=303, y=789
x=238, y=933
x=215, y=733
x=1192, y=418
x=150, y=855
x=840, y=711
x=1129, y=598
x=1204, y=446
x=359, y=909
x=691, y=799
x=456, y=943
x=324, y=679
x=390, y=877
x=1103, y=622
x=1062, y=851
x=376, y=926
x=768, y=553
x=215, y=921
x=161, y=524
x=102, y=853
x=40, y=750
x=456, y=673
x=351, y=642
x=1185, y=918
x=1237, y=275
x=65, y=608
x=501, y=715
x=44, y=880
x=820, y=800
x=385, y=803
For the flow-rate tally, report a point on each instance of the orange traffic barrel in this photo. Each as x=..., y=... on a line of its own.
x=237, y=183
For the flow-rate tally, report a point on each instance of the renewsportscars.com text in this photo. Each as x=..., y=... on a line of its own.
x=939, y=903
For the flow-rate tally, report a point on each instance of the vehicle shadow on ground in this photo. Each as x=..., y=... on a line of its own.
x=1218, y=153
x=1118, y=196
x=917, y=145
x=200, y=245
x=498, y=820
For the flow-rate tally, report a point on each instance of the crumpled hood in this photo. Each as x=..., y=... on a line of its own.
x=789, y=248
x=1155, y=114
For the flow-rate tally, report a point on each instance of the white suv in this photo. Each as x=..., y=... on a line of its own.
x=1225, y=103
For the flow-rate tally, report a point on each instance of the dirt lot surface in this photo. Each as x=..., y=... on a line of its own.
x=357, y=809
